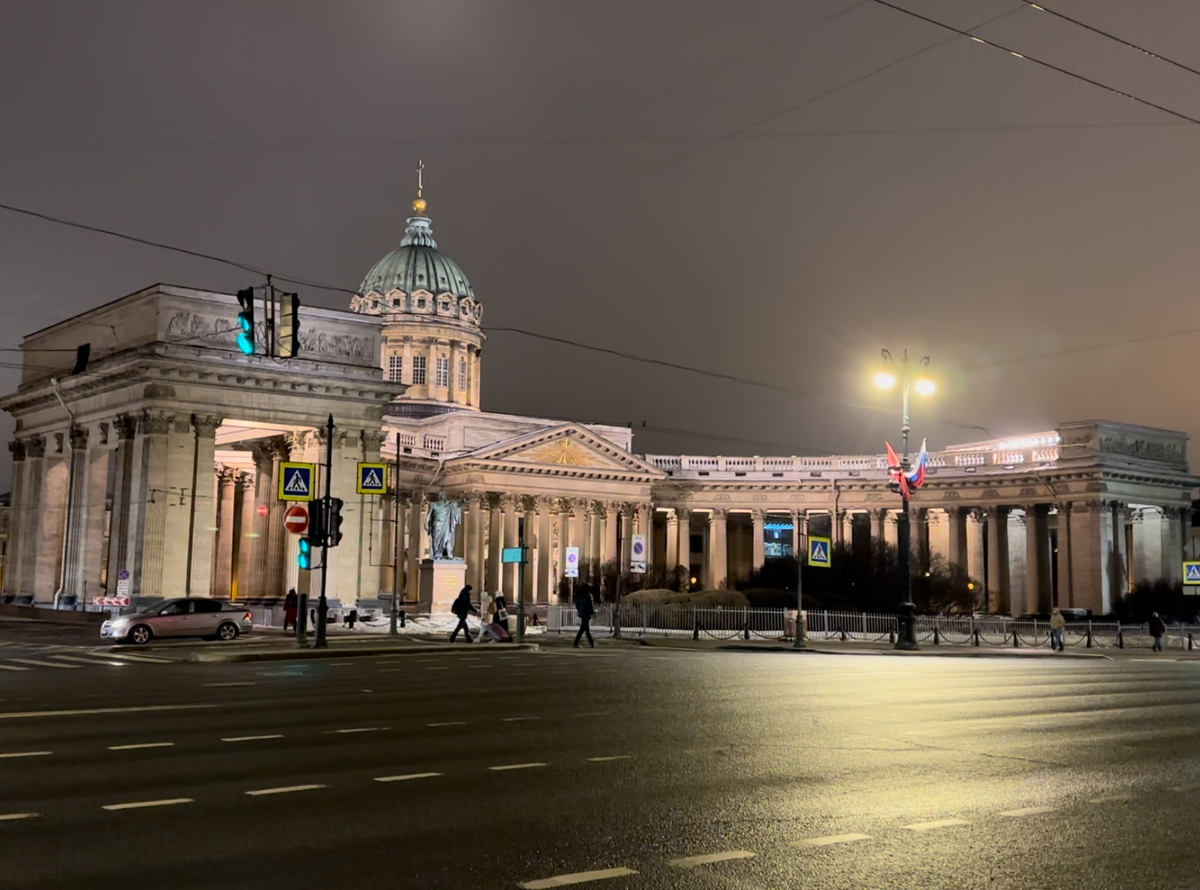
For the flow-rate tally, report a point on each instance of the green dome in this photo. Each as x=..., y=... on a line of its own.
x=417, y=265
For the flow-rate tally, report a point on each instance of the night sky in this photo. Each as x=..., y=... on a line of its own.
x=724, y=185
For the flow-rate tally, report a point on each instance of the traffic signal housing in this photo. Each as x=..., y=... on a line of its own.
x=334, y=530
x=308, y=558
x=246, y=333
x=289, y=325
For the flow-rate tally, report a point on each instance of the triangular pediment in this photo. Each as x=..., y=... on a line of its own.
x=569, y=448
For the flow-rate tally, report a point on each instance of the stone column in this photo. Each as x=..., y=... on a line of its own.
x=938, y=523
x=473, y=541
x=1039, y=586
x=645, y=524
x=919, y=539
x=758, y=543
x=975, y=562
x=543, y=589
x=1119, y=564
x=797, y=537
x=846, y=534
x=50, y=520
x=277, y=451
x=717, y=568
x=1174, y=529
x=254, y=583
x=956, y=538
x=452, y=377
x=30, y=519
x=624, y=538
x=1016, y=562
x=71, y=578
x=997, y=559
x=566, y=534
x=495, y=541
x=242, y=583
x=508, y=572
x=1146, y=561
x=124, y=428
x=225, y=521
x=610, y=533
x=203, y=518
x=18, y=507
x=683, y=550
x=672, y=548
x=414, y=550
x=1091, y=556
x=891, y=529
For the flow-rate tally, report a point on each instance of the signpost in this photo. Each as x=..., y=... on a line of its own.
x=637, y=561
x=520, y=556
x=123, y=582
x=296, y=481
x=1191, y=578
x=295, y=519
x=372, y=478
x=572, y=562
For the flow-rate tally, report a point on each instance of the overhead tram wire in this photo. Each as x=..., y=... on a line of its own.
x=1049, y=65
x=1121, y=40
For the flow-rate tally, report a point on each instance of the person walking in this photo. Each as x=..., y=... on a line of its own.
x=1057, y=625
x=291, y=605
x=585, y=608
x=463, y=607
x=1158, y=630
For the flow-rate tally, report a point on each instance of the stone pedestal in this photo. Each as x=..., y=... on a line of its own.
x=441, y=580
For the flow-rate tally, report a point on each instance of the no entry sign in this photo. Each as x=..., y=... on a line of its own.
x=295, y=520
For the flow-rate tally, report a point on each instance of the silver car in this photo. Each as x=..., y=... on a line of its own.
x=187, y=617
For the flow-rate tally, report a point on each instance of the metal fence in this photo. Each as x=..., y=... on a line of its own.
x=779, y=624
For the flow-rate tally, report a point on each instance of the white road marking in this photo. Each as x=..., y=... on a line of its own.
x=13, y=667
x=579, y=877
x=147, y=659
x=228, y=685
x=359, y=729
x=940, y=823
x=1028, y=811
x=406, y=778
x=591, y=714
x=449, y=723
x=46, y=664
x=143, y=745
x=91, y=712
x=97, y=660
x=509, y=766
x=137, y=805
x=288, y=789
x=13, y=817
x=26, y=754
x=832, y=839
x=1155, y=660
x=709, y=858
x=610, y=758
x=438, y=668
x=252, y=738
x=518, y=719
x=1112, y=798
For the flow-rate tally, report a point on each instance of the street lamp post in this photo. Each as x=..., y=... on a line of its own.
x=906, y=638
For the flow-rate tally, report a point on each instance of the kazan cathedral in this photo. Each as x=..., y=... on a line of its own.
x=159, y=468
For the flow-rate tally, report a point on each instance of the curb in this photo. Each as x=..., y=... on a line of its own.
x=299, y=654
x=920, y=653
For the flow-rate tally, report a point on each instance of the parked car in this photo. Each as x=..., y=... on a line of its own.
x=184, y=617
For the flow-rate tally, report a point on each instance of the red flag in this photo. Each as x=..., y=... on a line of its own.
x=896, y=469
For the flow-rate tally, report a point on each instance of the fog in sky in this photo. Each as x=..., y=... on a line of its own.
x=767, y=189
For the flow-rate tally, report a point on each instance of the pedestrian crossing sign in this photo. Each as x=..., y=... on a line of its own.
x=1191, y=573
x=296, y=481
x=372, y=478
x=820, y=554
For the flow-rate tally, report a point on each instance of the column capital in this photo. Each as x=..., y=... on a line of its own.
x=17, y=449
x=672, y=517
x=246, y=480
x=298, y=440
x=718, y=513
x=125, y=426
x=372, y=439
x=682, y=514
x=35, y=447
x=227, y=475
x=494, y=500
x=154, y=423
x=529, y=502
x=565, y=506
x=78, y=436
x=205, y=425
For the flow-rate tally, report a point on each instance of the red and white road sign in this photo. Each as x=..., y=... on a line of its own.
x=295, y=519
x=111, y=601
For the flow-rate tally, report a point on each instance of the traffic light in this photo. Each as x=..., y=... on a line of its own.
x=307, y=557
x=246, y=334
x=289, y=325
x=334, y=530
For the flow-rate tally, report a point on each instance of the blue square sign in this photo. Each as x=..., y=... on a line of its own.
x=820, y=552
x=297, y=482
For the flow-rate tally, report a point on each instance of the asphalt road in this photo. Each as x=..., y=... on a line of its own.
x=634, y=769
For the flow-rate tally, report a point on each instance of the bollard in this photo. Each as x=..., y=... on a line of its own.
x=403, y=617
x=891, y=636
x=695, y=625
x=1120, y=640
x=1189, y=641
x=937, y=637
x=745, y=624
x=1016, y=641
x=975, y=636
x=843, y=635
x=1090, y=641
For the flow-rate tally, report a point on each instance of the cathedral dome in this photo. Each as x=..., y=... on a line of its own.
x=417, y=265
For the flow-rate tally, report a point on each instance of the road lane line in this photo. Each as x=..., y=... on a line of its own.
x=609, y=758
x=143, y=745
x=591, y=714
x=519, y=719
x=1112, y=798
x=46, y=664
x=709, y=858
x=252, y=738
x=1192, y=786
x=509, y=766
x=579, y=877
x=1028, y=811
x=439, y=668
x=93, y=661
x=832, y=839
x=359, y=729
x=13, y=667
x=407, y=777
x=940, y=823
x=228, y=685
x=137, y=805
x=147, y=659
x=26, y=754
x=13, y=817
x=449, y=723
x=287, y=789
x=92, y=712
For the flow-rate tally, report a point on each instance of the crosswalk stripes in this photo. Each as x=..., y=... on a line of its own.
x=34, y=657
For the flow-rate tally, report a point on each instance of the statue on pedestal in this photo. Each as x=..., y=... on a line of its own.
x=442, y=525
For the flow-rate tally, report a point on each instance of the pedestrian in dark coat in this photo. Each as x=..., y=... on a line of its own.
x=1158, y=630
x=291, y=603
x=585, y=608
x=463, y=607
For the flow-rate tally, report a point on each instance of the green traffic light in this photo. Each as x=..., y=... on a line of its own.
x=305, y=553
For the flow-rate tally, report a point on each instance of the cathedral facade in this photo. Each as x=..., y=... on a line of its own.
x=157, y=470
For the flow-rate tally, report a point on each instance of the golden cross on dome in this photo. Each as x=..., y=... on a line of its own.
x=420, y=205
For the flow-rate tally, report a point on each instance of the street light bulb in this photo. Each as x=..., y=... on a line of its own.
x=885, y=379
x=926, y=387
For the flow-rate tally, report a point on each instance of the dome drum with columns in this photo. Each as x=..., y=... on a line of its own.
x=432, y=340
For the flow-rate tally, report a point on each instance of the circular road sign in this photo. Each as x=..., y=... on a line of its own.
x=295, y=520
x=639, y=548
x=263, y=510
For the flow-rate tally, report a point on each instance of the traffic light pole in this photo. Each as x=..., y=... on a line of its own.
x=319, y=641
